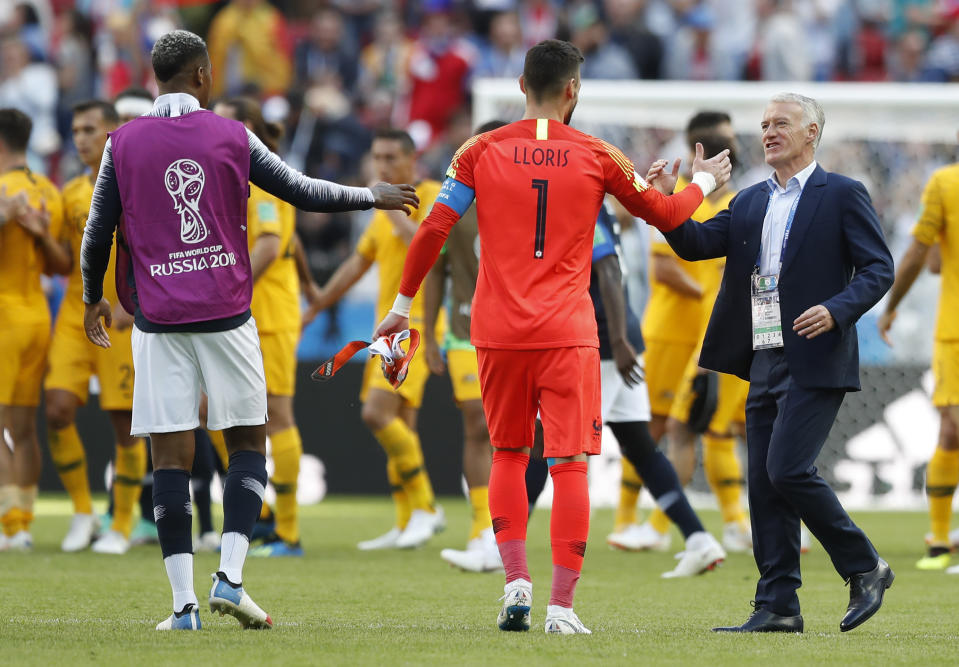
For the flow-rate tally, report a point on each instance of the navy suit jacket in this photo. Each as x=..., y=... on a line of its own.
x=836, y=256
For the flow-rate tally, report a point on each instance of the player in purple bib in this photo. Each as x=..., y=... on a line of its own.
x=179, y=176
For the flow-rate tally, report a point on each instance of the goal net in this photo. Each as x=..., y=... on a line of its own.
x=889, y=136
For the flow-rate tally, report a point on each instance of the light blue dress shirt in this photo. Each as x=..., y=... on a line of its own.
x=781, y=207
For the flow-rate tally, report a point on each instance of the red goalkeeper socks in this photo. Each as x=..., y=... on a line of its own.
x=508, y=510
x=569, y=528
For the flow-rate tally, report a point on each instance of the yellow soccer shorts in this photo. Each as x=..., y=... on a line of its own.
x=279, y=361
x=73, y=359
x=666, y=363
x=945, y=372
x=23, y=360
x=464, y=374
x=730, y=404
x=412, y=388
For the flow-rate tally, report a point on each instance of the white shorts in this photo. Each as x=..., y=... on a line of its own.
x=621, y=403
x=171, y=370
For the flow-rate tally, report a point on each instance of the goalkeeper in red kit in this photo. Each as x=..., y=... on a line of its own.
x=538, y=186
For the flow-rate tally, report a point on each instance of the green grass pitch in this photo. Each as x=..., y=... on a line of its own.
x=338, y=605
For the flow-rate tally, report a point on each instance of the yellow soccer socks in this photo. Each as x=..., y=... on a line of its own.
x=66, y=450
x=131, y=468
x=287, y=450
x=402, y=446
x=401, y=502
x=629, y=487
x=9, y=512
x=942, y=475
x=479, y=502
x=725, y=476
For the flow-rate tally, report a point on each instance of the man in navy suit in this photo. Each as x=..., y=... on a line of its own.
x=805, y=258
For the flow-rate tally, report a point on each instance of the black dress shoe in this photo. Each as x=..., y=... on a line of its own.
x=763, y=620
x=865, y=595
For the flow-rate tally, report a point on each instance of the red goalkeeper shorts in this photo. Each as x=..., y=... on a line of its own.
x=562, y=384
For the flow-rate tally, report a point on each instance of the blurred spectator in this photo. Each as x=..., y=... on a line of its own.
x=25, y=23
x=504, y=54
x=249, y=49
x=30, y=87
x=626, y=29
x=906, y=61
x=691, y=53
x=871, y=47
x=780, y=51
x=324, y=55
x=329, y=140
x=120, y=56
x=604, y=59
x=942, y=61
x=74, y=62
x=539, y=20
x=439, y=71
x=384, y=62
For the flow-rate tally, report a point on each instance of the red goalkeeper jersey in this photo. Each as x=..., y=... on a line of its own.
x=538, y=186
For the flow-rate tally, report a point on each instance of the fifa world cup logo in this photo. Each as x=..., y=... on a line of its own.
x=184, y=181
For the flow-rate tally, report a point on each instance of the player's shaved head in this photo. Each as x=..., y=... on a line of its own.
x=177, y=52
x=15, y=128
x=549, y=67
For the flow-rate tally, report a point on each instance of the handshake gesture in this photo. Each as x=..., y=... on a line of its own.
x=718, y=166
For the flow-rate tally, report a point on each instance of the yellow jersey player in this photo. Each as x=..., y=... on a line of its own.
x=271, y=226
x=73, y=360
x=391, y=413
x=31, y=219
x=459, y=261
x=681, y=300
x=938, y=223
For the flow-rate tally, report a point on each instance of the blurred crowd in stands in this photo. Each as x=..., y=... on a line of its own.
x=334, y=70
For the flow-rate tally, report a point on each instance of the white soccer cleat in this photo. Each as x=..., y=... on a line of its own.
x=564, y=621
x=111, y=542
x=384, y=541
x=189, y=619
x=227, y=599
x=640, y=538
x=83, y=530
x=737, y=538
x=517, y=601
x=805, y=539
x=22, y=541
x=421, y=527
x=953, y=569
x=703, y=553
x=481, y=555
x=207, y=542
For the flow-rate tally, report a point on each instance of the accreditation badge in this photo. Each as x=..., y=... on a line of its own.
x=767, y=319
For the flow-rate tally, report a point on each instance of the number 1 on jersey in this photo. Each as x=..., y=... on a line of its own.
x=541, y=185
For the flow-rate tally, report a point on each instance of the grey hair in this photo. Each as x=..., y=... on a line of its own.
x=811, y=111
x=174, y=51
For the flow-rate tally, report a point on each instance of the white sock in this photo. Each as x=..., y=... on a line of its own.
x=233, y=548
x=179, y=570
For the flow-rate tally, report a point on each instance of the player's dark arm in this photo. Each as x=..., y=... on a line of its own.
x=272, y=174
x=434, y=291
x=308, y=285
x=265, y=250
x=609, y=276
x=434, y=288
x=339, y=284
x=105, y=210
x=907, y=270
x=934, y=259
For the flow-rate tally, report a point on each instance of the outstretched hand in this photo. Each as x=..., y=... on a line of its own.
x=92, y=324
x=395, y=197
x=718, y=165
x=659, y=178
